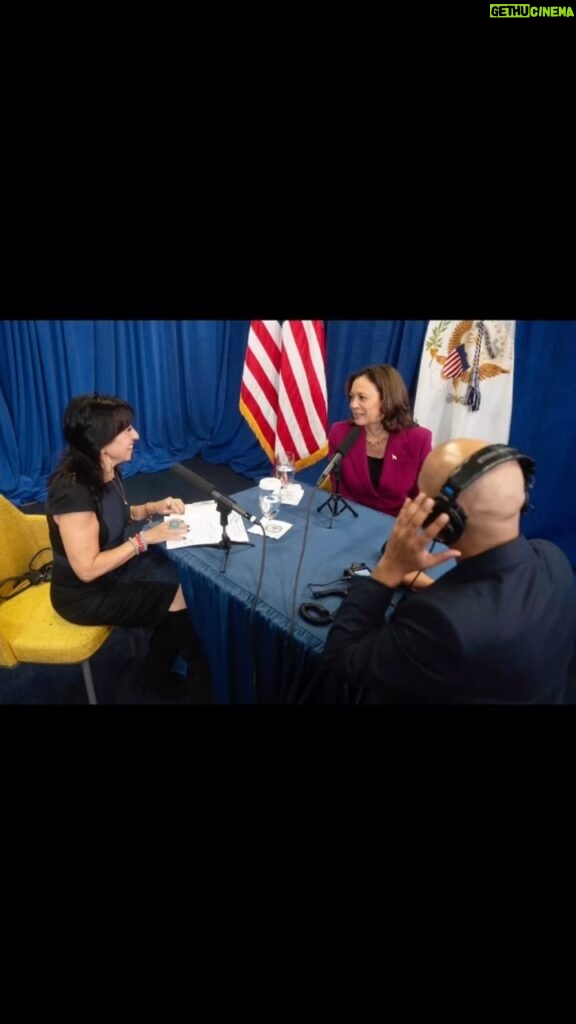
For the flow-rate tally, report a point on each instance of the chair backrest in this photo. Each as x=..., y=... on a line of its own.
x=21, y=537
x=30, y=629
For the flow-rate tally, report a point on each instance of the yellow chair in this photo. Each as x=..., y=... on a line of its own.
x=30, y=629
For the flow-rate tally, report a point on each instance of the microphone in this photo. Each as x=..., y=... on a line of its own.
x=339, y=454
x=206, y=487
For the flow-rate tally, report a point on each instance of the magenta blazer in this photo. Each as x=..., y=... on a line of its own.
x=404, y=455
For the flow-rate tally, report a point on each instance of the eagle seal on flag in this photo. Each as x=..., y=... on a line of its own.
x=467, y=352
x=466, y=367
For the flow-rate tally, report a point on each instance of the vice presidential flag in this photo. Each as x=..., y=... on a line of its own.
x=465, y=380
x=283, y=389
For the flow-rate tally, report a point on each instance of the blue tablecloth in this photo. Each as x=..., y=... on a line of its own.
x=264, y=652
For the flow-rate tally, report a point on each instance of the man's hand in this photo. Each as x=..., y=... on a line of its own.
x=407, y=546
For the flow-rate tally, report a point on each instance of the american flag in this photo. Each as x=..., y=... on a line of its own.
x=456, y=363
x=283, y=389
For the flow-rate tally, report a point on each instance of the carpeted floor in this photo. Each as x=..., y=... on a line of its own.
x=113, y=666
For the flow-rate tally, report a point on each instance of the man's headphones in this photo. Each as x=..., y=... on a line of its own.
x=316, y=614
x=466, y=474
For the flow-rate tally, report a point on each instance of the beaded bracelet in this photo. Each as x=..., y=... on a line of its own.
x=141, y=542
x=134, y=544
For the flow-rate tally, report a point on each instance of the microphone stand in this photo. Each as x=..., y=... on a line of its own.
x=336, y=499
x=225, y=543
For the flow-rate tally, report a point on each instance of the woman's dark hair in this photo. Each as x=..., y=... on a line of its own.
x=396, y=406
x=90, y=423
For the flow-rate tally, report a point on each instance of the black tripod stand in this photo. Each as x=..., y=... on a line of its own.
x=336, y=503
x=225, y=543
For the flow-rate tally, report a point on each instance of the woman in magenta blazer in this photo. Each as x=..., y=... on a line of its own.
x=381, y=468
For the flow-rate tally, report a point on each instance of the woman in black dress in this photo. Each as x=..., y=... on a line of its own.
x=105, y=571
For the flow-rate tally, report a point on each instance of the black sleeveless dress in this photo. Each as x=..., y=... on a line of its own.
x=138, y=593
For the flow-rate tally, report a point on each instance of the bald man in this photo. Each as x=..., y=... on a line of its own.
x=499, y=628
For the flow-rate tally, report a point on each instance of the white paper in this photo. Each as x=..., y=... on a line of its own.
x=292, y=494
x=205, y=527
x=278, y=526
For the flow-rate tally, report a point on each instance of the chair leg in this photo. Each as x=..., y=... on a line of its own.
x=87, y=672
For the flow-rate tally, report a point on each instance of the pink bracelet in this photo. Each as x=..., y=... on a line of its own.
x=141, y=542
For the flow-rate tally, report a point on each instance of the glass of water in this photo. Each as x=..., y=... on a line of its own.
x=269, y=500
x=285, y=468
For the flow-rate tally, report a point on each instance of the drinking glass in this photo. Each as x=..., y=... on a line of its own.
x=285, y=468
x=269, y=500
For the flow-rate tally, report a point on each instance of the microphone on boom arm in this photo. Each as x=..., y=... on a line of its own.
x=342, y=450
x=206, y=487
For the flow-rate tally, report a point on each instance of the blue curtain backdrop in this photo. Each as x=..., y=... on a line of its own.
x=183, y=379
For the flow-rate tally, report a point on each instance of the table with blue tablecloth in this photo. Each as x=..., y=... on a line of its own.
x=245, y=601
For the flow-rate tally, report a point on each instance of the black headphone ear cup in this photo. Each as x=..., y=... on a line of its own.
x=449, y=533
x=454, y=527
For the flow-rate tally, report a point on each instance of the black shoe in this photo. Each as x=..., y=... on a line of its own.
x=194, y=688
x=177, y=687
x=170, y=687
x=200, y=681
